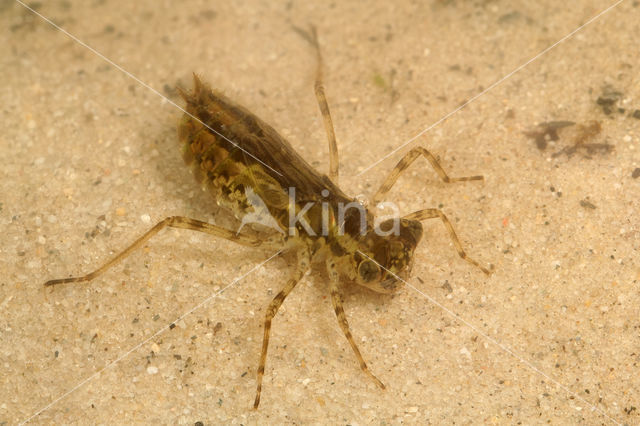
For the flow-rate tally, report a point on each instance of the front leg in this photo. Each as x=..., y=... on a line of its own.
x=437, y=213
x=406, y=161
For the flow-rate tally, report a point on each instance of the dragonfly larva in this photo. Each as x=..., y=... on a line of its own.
x=283, y=203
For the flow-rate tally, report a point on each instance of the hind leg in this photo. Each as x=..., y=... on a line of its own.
x=173, y=222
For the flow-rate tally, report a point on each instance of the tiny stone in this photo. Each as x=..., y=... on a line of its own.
x=587, y=204
x=152, y=370
x=42, y=240
x=120, y=211
x=145, y=218
x=636, y=173
x=464, y=351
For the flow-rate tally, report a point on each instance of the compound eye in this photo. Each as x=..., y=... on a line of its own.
x=368, y=271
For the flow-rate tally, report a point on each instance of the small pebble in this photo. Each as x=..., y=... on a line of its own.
x=464, y=351
x=587, y=204
x=152, y=370
x=120, y=211
x=145, y=218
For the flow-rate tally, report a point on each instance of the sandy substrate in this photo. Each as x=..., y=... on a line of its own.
x=89, y=161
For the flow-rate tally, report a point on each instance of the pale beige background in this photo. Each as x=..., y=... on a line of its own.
x=90, y=160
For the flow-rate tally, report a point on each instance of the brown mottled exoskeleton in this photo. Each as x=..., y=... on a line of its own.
x=250, y=169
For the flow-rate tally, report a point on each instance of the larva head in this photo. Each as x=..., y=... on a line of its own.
x=383, y=258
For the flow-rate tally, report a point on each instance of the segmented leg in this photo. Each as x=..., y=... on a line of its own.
x=303, y=266
x=434, y=213
x=406, y=161
x=342, y=319
x=173, y=222
x=323, y=105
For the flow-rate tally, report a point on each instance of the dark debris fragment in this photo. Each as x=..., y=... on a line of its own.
x=580, y=141
x=217, y=327
x=587, y=204
x=170, y=91
x=579, y=136
x=546, y=132
x=608, y=100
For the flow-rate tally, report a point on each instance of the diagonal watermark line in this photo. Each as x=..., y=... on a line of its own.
x=142, y=83
x=495, y=342
x=157, y=333
x=443, y=118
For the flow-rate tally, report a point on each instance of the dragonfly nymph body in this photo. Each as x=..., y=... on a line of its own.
x=283, y=203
